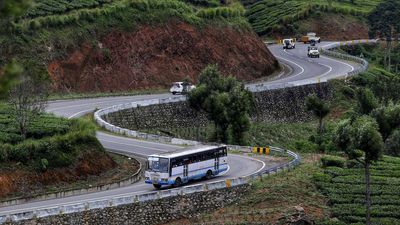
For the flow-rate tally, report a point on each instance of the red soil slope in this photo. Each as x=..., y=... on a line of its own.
x=155, y=56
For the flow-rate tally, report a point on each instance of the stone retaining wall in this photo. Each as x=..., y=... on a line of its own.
x=149, y=212
x=280, y=105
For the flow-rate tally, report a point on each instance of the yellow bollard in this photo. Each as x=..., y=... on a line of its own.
x=228, y=183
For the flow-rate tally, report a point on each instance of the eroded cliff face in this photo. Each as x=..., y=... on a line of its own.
x=155, y=56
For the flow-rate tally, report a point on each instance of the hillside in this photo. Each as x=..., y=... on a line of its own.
x=335, y=20
x=121, y=45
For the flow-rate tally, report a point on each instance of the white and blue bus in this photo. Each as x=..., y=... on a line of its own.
x=178, y=167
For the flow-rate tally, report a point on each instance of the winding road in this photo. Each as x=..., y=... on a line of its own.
x=302, y=71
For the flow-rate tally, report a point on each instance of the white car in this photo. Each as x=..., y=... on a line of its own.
x=313, y=52
x=181, y=88
x=288, y=44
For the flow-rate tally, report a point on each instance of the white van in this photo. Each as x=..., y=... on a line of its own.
x=288, y=44
x=181, y=88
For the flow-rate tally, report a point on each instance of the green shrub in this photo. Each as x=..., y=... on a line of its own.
x=305, y=146
x=322, y=177
x=333, y=161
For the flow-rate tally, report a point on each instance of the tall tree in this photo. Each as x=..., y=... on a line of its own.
x=360, y=140
x=320, y=109
x=226, y=102
x=385, y=22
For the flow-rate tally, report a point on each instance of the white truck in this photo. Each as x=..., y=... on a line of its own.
x=288, y=43
x=313, y=52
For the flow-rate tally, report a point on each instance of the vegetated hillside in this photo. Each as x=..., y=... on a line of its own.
x=330, y=19
x=55, y=150
x=120, y=45
x=345, y=189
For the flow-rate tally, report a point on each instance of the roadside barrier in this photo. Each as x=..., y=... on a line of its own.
x=364, y=63
x=261, y=150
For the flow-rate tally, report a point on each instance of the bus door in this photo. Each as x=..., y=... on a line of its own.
x=185, y=171
x=216, y=162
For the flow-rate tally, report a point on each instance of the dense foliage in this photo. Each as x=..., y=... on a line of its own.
x=52, y=142
x=346, y=192
x=226, y=102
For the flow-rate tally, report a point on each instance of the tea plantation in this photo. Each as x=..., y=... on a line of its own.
x=51, y=142
x=345, y=190
x=267, y=15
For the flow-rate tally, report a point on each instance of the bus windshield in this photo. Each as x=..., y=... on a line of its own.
x=158, y=164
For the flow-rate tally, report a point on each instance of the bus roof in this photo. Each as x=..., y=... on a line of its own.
x=186, y=151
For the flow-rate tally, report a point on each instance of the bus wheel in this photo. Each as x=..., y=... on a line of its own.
x=157, y=186
x=178, y=182
x=209, y=174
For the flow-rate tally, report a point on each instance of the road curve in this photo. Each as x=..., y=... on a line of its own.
x=302, y=69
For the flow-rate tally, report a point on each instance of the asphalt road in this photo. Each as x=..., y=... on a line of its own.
x=302, y=70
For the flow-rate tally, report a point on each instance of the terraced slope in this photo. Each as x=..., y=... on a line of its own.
x=267, y=16
x=345, y=189
x=121, y=45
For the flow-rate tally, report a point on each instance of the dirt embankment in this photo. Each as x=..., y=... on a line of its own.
x=336, y=27
x=155, y=56
x=329, y=26
x=19, y=181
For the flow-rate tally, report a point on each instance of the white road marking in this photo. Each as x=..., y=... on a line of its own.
x=302, y=69
x=330, y=70
x=287, y=52
x=253, y=159
x=136, y=140
x=78, y=113
x=225, y=172
x=132, y=145
x=351, y=67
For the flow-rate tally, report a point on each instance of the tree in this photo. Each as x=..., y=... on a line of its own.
x=366, y=101
x=392, y=144
x=226, y=102
x=360, y=140
x=28, y=99
x=320, y=110
x=384, y=20
x=388, y=118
